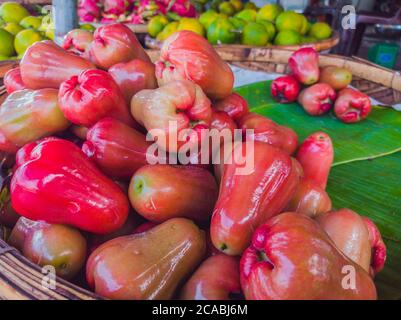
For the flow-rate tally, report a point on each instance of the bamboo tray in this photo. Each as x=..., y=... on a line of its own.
x=319, y=46
x=21, y=279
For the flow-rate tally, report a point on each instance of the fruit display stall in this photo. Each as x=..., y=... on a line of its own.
x=84, y=202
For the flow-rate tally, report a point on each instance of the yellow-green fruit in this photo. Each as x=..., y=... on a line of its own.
x=168, y=31
x=46, y=23
x=156, y=25
x=320, y=30
x=254, y=34
x=13, y=28
x=50, y=33
x=237, y=4
x=270, y=28
x=2, y=22
x=238, y=23
x=227, y=8
x=247, y=15
x=305, y=25
x=25, y=39
x=269, y=12
x=290, y=20
x=13, y=12
x=191, y=24
x=221, y=31
x=288, y=38
x=87, y=27
x=6, y=43
x=250, y=5
x=207, y=18
x=31, y=22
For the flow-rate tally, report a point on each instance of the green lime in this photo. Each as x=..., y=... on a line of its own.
x=222, y=31
x=237, y=4
x=87, y=27
x=6, y=43
x=270, y=28
x=25, y=39
x=156, y=25
x=288, y=38
x=50, y=34
x=250, y=5
x=227, y=8
x=2, y=22
x=269, y=12
x=308, y=39
x=13, y=12
x=191, y=24
x=255, y=34
x=238, y=23
x=13, y=28
x=320, y=30
x=207, y=18
x=247, y=15
x=31, y=22
x=168, y=31
x=290, y=20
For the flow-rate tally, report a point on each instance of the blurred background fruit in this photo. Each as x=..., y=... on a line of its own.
x=13, y=28
x=6, y=43
x=13, y=12
x=233, y=21
x=25, y=39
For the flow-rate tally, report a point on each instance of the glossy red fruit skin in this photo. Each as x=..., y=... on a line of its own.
x=161, y=192
x=248, y=200
x=117, y=149
x=316, y=154
x=379, y=251
x=234, y=105
x=27, y=115
x=59, y=184
x=352, y=106
x=91, y=96
x=13, y=81
x=304, y=65
x=77, y=41
x=115, y=43
x=215, y=279
x=45, y=244
x=317, y=99
x=267, y=131
x=181, y=103
x=349, y=233
x=189, y=56
x=285, y=89
x=292, y=258
x=310, y=199
x=46, y=65
x=134, y=76
x=222, y=121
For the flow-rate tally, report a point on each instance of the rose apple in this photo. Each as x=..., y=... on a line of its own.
x=188, y=56
x=317, y=99
x=77, y=41
x=13, y=81
x=148, y=265
x=285, y=89
x=133, y=77
x=46, y=65
x=216, y=279
x=336, y=77
x=160, y=192
x=115, y=43
x=316, y=155
x=304, y=65
x=234, y=105
x=352, y=106
x=292, y=258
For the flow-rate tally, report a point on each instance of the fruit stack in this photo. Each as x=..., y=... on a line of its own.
x=108, y=176
x=234, y=22
x=19, y=29
x=323, y=90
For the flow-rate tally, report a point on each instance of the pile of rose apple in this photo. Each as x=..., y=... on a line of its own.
x=75, y=123
x=324, y=89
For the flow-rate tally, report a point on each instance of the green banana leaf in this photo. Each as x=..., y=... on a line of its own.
x=366, y=173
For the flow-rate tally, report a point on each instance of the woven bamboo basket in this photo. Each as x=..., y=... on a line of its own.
x=21, y=279
x=319, y=46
